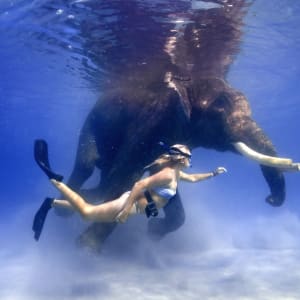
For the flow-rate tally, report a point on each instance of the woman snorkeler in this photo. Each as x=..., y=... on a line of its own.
x=146, y=196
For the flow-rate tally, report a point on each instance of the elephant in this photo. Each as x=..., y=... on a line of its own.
x=179, y=95
x=120, y=137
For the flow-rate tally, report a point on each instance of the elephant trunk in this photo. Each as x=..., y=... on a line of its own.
x=276, y=182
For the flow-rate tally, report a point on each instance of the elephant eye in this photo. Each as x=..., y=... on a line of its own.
x=223, y=102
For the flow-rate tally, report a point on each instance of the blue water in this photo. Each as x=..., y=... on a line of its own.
x=232, y=246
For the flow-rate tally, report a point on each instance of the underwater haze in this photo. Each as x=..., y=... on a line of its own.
x=233, y=244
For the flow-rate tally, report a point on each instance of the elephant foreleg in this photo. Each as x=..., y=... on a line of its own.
x=95, y=235
x=86, y=158
x=174, y=218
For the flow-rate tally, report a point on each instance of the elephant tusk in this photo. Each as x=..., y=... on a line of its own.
x=286, y=164
x=292, y=167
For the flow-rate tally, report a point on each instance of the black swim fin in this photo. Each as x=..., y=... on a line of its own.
x=41, y=157
x=40, y=217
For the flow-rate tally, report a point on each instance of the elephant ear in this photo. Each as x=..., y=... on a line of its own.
x=208, y=43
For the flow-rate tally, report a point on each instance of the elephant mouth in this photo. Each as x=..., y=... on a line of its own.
x=285, y=164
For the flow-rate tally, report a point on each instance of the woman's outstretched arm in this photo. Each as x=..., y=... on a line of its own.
x=201, y=176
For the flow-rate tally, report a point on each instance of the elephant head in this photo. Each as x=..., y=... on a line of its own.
x=220, y=118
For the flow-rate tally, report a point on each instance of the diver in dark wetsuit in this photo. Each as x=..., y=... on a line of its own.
x=147, y=195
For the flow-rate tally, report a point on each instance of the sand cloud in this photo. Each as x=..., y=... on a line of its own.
x=258, y=259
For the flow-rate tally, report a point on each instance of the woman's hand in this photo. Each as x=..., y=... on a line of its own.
x=122, y=216
x=219, y=171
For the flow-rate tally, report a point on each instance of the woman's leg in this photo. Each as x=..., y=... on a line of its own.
x=104, y=212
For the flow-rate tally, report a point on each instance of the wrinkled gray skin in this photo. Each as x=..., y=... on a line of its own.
x=196, y=107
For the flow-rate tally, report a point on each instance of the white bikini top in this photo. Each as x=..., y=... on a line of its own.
x=166, y=193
